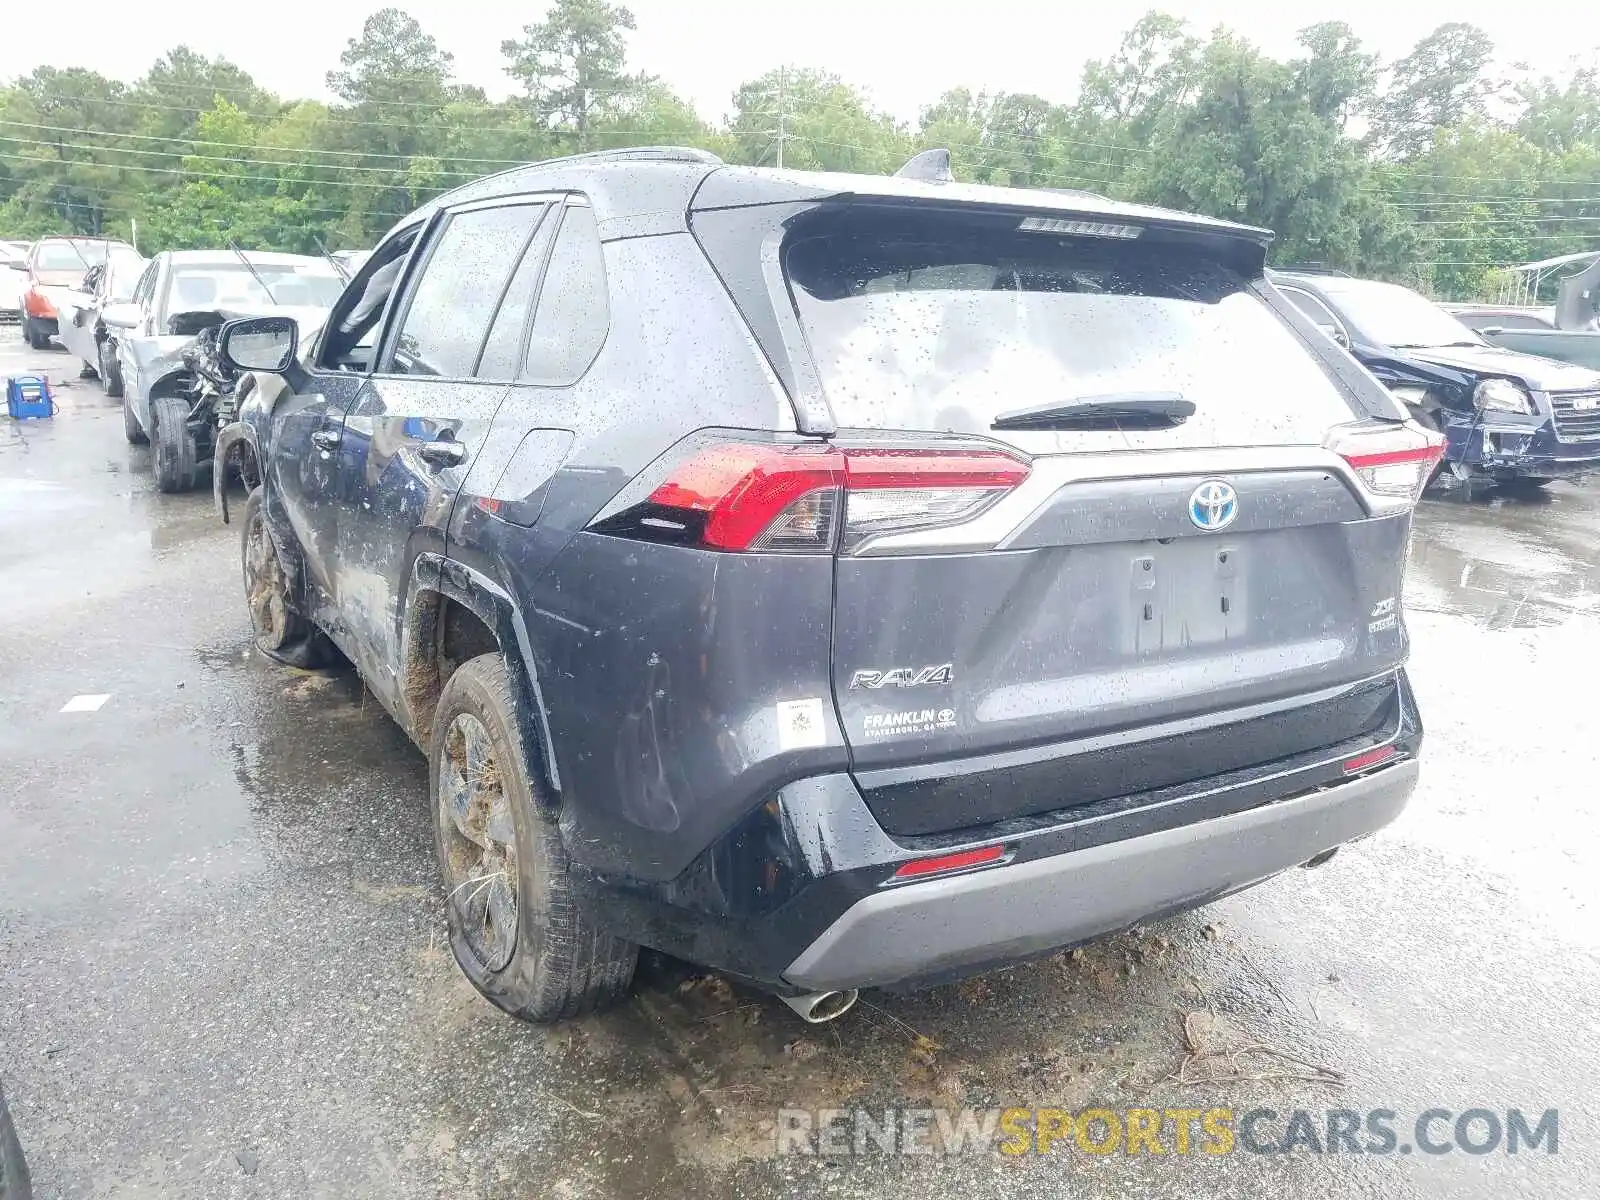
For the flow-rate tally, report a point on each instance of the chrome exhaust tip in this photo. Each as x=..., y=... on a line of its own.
x=817, y=1008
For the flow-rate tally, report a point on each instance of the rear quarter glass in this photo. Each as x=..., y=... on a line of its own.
x=942, y=324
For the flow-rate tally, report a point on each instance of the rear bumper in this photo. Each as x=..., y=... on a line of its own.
x=802, y=893
x=1007, y=913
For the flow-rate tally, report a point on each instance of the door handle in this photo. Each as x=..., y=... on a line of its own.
x=327, y=439
x=443, y=452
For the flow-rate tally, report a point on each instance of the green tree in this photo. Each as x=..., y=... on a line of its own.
x=1441, y=83
x=572, y=65
x=813, y=120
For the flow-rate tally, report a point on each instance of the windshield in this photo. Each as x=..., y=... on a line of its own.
x=313, y=284
x=1389, y=315
x=70, y=254
x=948, y=334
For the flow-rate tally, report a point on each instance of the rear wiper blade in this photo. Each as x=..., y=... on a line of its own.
x=1120, y=410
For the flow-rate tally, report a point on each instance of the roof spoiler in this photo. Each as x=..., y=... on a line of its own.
x=930, y=166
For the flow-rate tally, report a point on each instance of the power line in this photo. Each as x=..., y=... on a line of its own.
x=262, y=162
x=278, y=179
x=150, y=137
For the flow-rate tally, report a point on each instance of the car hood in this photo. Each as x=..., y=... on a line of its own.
x=1539, y=374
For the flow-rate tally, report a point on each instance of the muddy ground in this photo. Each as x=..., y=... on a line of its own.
x=222, y=972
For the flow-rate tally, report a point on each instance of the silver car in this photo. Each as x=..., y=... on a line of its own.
x=181, y=295
x=80, y=328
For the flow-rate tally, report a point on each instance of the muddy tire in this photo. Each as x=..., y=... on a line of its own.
x=175, y=449
x=110, y=370
x=131, y=429
x=280, y=630
x=517, y=929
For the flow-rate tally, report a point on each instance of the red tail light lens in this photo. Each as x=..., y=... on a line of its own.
x=37, y=304
x=762, y=497
x=1394, y=462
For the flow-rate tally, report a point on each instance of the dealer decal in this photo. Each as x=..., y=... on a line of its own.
x=911, y=720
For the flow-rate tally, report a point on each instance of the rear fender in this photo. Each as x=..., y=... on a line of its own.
x=496, y=608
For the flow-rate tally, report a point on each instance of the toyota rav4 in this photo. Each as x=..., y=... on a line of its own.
x=835, y=580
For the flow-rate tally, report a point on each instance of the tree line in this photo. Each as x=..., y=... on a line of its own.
x=1429, y=170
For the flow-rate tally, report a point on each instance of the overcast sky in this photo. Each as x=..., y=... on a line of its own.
x=903, y=52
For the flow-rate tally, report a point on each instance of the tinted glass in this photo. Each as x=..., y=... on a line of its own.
x=570, y=324
x=450, y=308
x=1313, y=308
x=502, y=353
x=1390, y=315
x=934, y=323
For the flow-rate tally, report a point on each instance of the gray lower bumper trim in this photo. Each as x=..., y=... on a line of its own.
x=1010, y=912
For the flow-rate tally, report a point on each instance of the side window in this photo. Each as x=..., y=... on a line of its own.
x=502, y=352
x=1316, y=310
x=448, y=314
x=573, y=317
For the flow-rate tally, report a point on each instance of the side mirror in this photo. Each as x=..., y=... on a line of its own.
x=121, y=316
x=259, y=343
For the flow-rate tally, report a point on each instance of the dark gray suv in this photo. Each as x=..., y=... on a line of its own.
x=835, y=580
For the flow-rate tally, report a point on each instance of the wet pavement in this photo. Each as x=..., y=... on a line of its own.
x=222, y=971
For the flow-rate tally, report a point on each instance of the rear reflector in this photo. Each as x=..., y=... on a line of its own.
x=959, y=861
x=1393, y=461
x=799, y=498
x=1369, y=759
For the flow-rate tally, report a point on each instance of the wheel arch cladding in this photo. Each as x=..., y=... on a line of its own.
x=471, y=605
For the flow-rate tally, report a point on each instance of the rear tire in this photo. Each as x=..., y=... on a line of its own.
x=517, y=928
x=131, y=428
x=35, y=337
x=175, y=449
x=110, y=369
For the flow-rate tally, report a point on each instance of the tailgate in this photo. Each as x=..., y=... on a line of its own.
x=1218, y=577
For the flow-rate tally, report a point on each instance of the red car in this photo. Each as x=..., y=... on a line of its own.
x=52, y=269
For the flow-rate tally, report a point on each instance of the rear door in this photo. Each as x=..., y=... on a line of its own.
x=411, y=436
x=1036, y=611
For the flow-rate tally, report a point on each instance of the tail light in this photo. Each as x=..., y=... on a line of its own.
x=37, y=304
x=1394, y=462
x=808, y=498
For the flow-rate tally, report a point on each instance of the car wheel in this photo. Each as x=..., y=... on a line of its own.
x=110, y=369
x=175, y=449
x=281, y=631
x=36, y=337
x=130, y=425
x=517, y=928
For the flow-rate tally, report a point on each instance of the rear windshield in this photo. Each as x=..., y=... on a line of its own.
x=938, y=324
x=69, y=255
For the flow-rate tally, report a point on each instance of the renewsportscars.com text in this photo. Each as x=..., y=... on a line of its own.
x=1165, y=1131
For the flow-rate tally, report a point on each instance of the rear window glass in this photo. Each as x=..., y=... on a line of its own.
x=941, y=324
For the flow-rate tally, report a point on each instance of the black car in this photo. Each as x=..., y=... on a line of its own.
x=1506, y=416
x=760, y=561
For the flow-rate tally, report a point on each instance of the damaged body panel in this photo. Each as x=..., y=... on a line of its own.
x=703, y=526
x=1506, y=416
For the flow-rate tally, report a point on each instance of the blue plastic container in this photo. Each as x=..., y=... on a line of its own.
x=28, y=397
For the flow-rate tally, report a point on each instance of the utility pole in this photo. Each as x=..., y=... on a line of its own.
x=783, y=111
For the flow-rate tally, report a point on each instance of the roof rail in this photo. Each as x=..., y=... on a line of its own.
x=679, y=154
